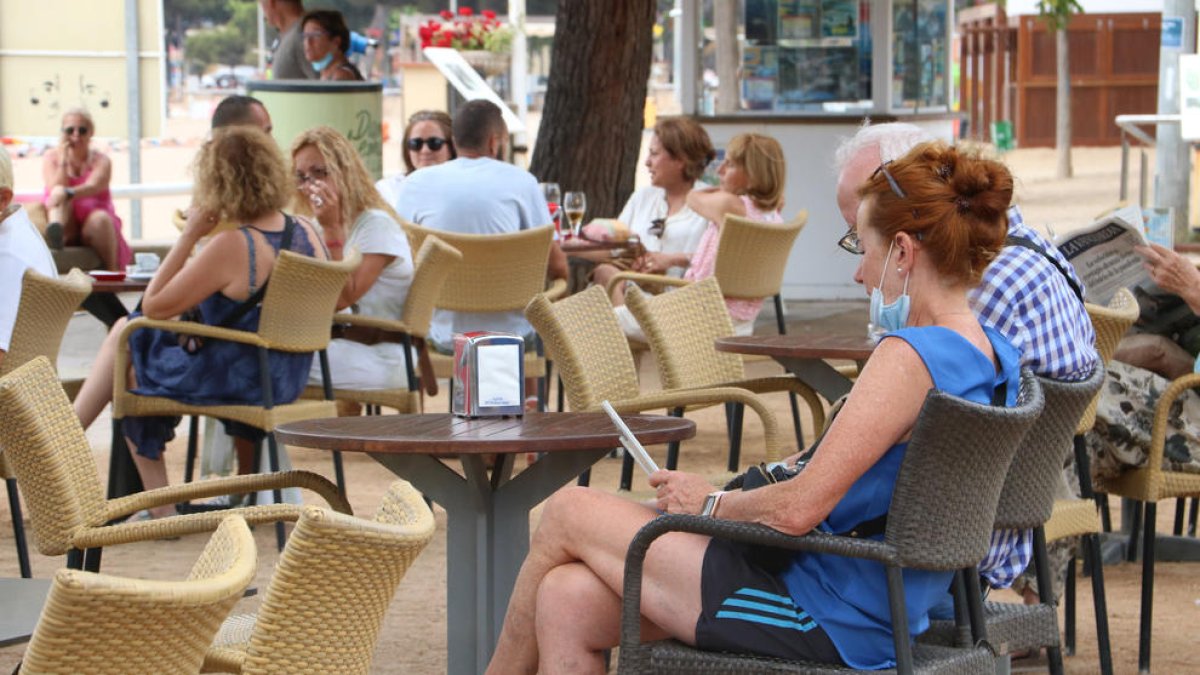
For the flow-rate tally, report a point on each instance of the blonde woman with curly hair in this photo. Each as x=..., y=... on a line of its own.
x=333, y=185
x=241, y=177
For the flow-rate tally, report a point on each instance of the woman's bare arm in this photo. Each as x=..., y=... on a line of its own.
x=98, y=179
x=180, y=283
x=713, y=204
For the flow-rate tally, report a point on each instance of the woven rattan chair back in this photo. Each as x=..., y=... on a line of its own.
x=300, y=301
x=97, y=623
x=336, y=577
x=499, y=272
x=681, y=326
x=1111, y=323
x=944, y=504
x=1028, y=495
x=583, y=338
x=435, y=262
x=752, y=255
x=46, y=307
x=50, y=455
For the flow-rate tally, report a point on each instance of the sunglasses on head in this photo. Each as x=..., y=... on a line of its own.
x=433, y=142
x=890, y=179
x=70, y=131
x=657, y=227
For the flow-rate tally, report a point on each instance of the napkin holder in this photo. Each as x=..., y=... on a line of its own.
x=489, y=374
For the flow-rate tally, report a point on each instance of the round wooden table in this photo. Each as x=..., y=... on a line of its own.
x=487, y=528
x=803, y=354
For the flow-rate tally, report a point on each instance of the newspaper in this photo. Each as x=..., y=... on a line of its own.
x=1103, y=256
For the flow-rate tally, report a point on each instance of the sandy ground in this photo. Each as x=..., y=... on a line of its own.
x=413, y=639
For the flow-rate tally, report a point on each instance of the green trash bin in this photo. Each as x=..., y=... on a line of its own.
x=353, y=108
x=1002, y=135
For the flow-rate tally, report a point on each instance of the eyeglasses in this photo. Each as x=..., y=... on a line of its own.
x=434, y=143
x=657, y=227
x=314, y=35
x=70, y=131
x=891, y=181
x=850, y=243
x=316, y=173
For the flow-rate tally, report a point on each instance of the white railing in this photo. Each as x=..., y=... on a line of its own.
x=1130, y=127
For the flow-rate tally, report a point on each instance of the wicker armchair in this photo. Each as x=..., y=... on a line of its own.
x=1079, y=517
x=53, y=461
x=582, y=336
x=323, y=609
x=45, y=308
x=499, y=273
x=1147, y=485
x=681, y=327
x=434, y=263
x=940, y=518
x=1026, y=502
x=101, y=624
x=295, y=317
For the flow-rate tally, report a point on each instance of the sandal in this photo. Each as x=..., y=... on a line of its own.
x=54, y=236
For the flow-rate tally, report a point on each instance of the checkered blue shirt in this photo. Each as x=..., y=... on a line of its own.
x=1026, y=299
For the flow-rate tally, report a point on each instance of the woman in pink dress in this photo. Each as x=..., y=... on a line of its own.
x=80, y=206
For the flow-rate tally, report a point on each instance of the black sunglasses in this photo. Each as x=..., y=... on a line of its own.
x=891, y=180
x=70, y=131
x=433, y=142
x=657, y=227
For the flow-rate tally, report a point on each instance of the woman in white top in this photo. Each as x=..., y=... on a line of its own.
x=427, y=141
x=670, y=231
x=334, y=186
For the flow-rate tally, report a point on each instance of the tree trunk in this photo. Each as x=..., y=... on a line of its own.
x=1062, y=107
x=591, y=128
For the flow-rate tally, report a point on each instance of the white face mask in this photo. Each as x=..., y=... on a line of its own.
x=886, y=318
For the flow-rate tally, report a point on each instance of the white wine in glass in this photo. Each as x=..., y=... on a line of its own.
x=575, y=205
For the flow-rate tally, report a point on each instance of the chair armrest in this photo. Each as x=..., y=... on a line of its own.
x=750, y=533
x=1162, y=417
x=660, y=279
x=174, y=494
x=390, y=325
x=556, y=290
x=175, y=526
x=679, y=398
x=789, y=383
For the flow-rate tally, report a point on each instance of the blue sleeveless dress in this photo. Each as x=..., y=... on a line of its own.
x=848, y=597
x=220, y=372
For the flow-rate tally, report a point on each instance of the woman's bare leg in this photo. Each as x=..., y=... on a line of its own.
x=56, y=205
x=99, y=234
x=602, y=274
x=154, y=475
x=97, y=389
x=245, y=455
x=580, y=525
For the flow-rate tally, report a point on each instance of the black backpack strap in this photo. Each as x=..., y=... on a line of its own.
x=231, y=319
x=1025, y=242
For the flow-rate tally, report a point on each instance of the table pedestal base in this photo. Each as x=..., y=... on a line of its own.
x=487, y=536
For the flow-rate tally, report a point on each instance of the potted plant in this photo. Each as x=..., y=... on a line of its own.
x=483, y=40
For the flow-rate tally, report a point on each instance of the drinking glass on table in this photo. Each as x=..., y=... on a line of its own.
x=554, y=202
x=575, y=204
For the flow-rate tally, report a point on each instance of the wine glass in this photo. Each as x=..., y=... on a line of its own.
x=553, y=202
x=575, y=204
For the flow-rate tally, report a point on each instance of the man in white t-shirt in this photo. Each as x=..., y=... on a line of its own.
x=477, y=194
x=21, y=247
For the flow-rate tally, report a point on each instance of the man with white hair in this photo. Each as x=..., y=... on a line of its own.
x=21, y=247
x=1029, y=293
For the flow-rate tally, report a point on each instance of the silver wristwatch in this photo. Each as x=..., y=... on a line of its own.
x=711, y=502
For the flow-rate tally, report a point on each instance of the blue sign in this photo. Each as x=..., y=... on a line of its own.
x=1172, y=32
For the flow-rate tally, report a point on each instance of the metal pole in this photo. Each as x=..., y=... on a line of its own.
x=1124, y=165
x=262, y=41
x=519, y=68
x=687, y=30
x=134, y=104
x=1172, y=157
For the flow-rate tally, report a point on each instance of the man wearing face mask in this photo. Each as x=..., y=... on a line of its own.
x=1029, y=293
x=477, y=193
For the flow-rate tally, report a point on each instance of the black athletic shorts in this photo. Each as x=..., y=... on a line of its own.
x=747, y=609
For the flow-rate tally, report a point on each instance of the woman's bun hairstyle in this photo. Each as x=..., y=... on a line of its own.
x=955, y=200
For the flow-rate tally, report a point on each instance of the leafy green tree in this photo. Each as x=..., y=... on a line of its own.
x=1057, y=14
x=223, y=44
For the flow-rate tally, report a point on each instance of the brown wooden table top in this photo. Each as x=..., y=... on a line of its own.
x=443, y=433
x=580, y=245
x=126, y=285
x=816, y=344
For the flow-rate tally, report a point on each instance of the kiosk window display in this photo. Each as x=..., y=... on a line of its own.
x=819, y=56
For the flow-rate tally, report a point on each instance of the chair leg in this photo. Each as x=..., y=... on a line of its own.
x=562, y=395
x=91, y=559
x=1132, y=549
x=627, y=472
x=796, y=420
x=14, y=507
x=1046, y=592
x=189, y=470
x=1092, y=543
x=585, y=478
x=737, y=413
x=975, y=605
x=75, y=559
x=339, y=472
x=1180, y=508
x=780, y=321
x=673, y=446
x=1144, y=633
x=1069, y=612
x=1192, y=515
x=1105, y=514
x=273, y=456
